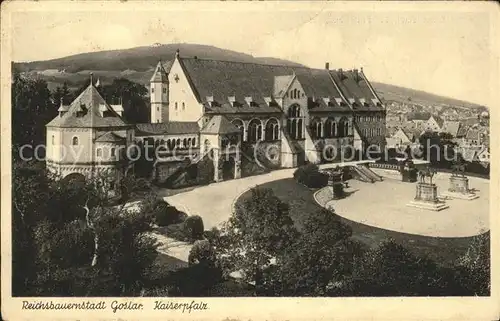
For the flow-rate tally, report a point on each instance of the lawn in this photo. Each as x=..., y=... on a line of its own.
x=302, y=204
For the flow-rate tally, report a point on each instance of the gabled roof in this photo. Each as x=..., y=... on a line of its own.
x=222, y=79
x=281, y=85
x=438, y=120
x=85, y=111
x=219, y=125
x=110, y=137
x=170, y=128
x=451, y=127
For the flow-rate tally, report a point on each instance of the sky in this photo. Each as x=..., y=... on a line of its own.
x=438, y=48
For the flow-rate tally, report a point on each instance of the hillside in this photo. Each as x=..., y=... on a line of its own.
x=136, y=64
x=138, y=58
x=396, y=93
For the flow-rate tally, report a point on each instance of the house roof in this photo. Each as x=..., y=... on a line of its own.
x=170, y=128
x=219, y=125
x=111, y=137
x=438, y=120
x=451, y=127
x=160, y=74
x=85, y=111
x=223, y=79
x=472, y=134
x=462, y=130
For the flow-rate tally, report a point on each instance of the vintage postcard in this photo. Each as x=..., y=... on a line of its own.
x=250, y=160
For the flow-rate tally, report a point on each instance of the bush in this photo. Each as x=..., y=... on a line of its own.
x=188, y=231
x=194, y=227
x=166, y=215
x=310, y=176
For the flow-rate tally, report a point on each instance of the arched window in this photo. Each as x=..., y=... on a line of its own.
x=239, y=123
x=294, y=111
x=178, y=142
x=183, y=106
x=316, y=128
x=207, y=145
x=330, y=128
x=53, y=140
x=343, y=129
x=74, y=141
x=193, y=142
x=299, y=128
x=272, y=129
x=99, y=152
x=254, y=130
x=185, y=143
x=175, y=105
x=188, y=142
x=113, y=152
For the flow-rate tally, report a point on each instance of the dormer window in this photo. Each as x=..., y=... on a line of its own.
x=351, y=101
x=176, y=78
x=74, y=141
x=232, y=100
x=326, y=100
x=249, y=101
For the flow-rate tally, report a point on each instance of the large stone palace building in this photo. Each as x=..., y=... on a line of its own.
x=224, y=109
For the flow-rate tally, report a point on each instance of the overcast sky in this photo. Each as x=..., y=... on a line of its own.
x=443, y=50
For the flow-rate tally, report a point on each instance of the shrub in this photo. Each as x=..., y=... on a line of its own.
x=310, y=176
x=202, y=252
x=194, y=227
x=191, y=229
x=166, y=215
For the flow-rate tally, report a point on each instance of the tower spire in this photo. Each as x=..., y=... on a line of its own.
x=91, y=81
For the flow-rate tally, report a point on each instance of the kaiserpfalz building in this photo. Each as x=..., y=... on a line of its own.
x=282, y=116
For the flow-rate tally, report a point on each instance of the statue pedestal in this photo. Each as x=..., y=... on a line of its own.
x=459, y=188
x=426, y=198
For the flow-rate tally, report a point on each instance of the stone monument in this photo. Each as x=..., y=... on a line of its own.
x=335, y=181
x=426, y=192
x=459, y=184
x=408, y=171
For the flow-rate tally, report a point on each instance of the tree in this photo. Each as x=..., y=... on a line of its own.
x=392, y=270
x=319, y=261
x=474, y=266
x=32, y=109
x=133, y=97
x=69, y=241
x=256, y=236
x=438, y=148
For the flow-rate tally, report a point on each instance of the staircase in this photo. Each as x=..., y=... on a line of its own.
x=370, y=173
x=361, y=175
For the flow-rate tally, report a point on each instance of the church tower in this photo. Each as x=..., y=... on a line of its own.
x=158, y=92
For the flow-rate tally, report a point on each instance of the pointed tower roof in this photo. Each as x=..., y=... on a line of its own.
x=160, y=75
x=86, y=111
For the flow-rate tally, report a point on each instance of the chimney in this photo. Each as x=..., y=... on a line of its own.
x=356, y=74
x=327, y=65
x=195, y=57
x=341, y=73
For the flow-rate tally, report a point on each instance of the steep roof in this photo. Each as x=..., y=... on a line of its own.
x=111, y=137
x=160, y=74
x=438, y=120
x=86, y=111
x=451, y=127
x=219, y=125
x=220, y=80
x=170, y=128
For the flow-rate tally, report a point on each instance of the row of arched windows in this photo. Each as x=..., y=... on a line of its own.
x=330, y=128
x=372, y=132
x=255, y=132
x=295, y=94
x=176, y=105
x=369, y=118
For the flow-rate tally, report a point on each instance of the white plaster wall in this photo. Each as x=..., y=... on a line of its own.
x=180, y=92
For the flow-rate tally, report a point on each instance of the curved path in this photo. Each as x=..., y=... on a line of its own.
x=214, y=202
x=381, y=204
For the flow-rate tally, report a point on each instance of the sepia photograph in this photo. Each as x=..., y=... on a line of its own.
x=247, y=150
